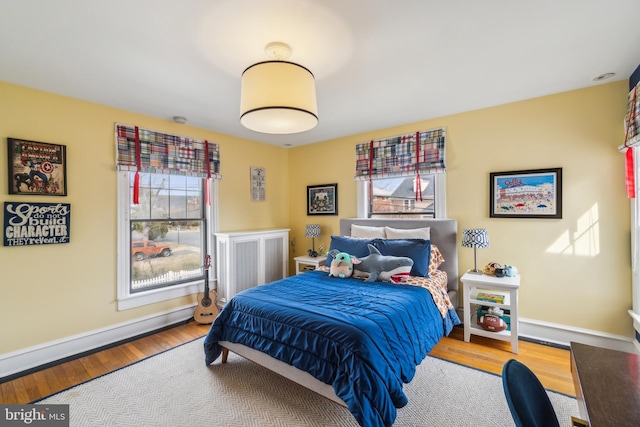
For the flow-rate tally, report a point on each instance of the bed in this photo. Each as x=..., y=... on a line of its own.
x=353, y=342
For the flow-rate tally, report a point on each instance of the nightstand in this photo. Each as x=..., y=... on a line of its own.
x=305, y=262
x=473, y=284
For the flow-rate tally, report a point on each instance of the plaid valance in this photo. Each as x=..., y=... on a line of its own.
x=405, y=155
x=632, y=118
x=144, y=150
x=631, y=138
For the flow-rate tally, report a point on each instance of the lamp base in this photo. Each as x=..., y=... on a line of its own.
x=475, y=262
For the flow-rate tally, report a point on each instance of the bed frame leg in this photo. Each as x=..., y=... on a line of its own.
x=225, y=354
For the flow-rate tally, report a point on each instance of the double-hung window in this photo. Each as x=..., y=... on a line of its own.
x=165, y=215
x=402, y=177
x=632, y=171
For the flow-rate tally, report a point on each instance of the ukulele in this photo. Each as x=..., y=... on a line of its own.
x=207, y=310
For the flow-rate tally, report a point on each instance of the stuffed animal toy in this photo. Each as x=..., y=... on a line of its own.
x=342, y=264
x=490, y=269
x=381, y=268
x=511, y=270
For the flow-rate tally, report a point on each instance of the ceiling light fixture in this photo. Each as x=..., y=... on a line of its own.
x=277, y=96
x=179, y=119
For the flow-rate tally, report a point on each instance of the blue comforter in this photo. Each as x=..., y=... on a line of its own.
x=365, y=339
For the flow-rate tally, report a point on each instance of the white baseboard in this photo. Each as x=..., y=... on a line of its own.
x=563, y=335
x=32, y=357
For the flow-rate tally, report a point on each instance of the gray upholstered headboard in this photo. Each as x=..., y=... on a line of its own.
x=444, y=233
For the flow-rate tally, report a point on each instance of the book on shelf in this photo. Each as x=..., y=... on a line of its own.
x=490, y=297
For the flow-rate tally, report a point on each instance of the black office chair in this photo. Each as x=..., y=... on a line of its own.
x=527, y=399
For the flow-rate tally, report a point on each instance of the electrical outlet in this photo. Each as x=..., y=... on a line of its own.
x=292, y=241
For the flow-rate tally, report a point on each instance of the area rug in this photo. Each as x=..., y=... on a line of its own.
x=175, y=388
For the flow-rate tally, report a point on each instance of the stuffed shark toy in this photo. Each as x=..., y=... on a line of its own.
x=381, y=268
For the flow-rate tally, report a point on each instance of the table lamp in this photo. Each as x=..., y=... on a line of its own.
x=475, y=238
x=313, y=231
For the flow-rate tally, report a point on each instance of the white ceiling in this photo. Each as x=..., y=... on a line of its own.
x=378, y=63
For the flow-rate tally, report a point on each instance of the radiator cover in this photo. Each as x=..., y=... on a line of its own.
x=246, y=259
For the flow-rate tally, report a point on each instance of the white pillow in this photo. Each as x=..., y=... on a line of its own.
x=409, y=233
x=367, y=232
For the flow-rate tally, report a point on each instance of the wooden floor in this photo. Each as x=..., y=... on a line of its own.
x=551, y=365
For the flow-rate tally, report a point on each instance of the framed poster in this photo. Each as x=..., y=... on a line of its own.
x=37, y=168
x=526, y=194
x=258, y=184
x=27, y=224
x=322, y=199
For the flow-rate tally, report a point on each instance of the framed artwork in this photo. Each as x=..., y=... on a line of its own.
x=258, y=184
x=37, y=168
x=322, y=199
x=28, y=224
x=533, y=193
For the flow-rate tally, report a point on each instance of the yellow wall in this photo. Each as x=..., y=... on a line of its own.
x=575, y=271
x=53, y=291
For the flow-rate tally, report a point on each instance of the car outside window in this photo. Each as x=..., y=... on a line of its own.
x=163, y=236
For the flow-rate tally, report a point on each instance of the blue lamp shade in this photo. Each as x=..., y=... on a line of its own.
x=475, y=238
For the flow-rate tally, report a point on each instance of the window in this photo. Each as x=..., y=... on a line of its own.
x=166, y=186
x=167, y=231
x=635, y=244
x=162, y=239
x=408, y=204
x=396, y=197
x=402, y=176
x=632, y=175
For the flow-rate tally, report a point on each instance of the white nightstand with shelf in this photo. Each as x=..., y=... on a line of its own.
x=508, y=286
x=307, y=263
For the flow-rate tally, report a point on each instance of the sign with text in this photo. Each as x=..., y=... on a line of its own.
x=34, y=415
x=36, y=223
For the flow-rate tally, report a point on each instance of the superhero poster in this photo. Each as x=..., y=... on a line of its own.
x=37, y=168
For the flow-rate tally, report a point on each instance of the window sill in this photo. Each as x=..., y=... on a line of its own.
x=153, y=296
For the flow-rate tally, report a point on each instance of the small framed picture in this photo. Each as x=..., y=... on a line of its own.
x=258, y=184
x=37, y=168
x=322, y=199
x=526, y=194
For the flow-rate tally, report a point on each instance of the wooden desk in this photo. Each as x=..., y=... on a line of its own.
x=607, y=385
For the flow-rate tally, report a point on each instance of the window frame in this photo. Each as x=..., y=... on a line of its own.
x=635, y=249
x=125, y=298
x=440, y=197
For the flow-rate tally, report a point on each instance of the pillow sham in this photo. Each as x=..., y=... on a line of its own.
x=435, y=259
x=411, y=233
x=367, y=231
x=352, y=246
x=419, y=250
